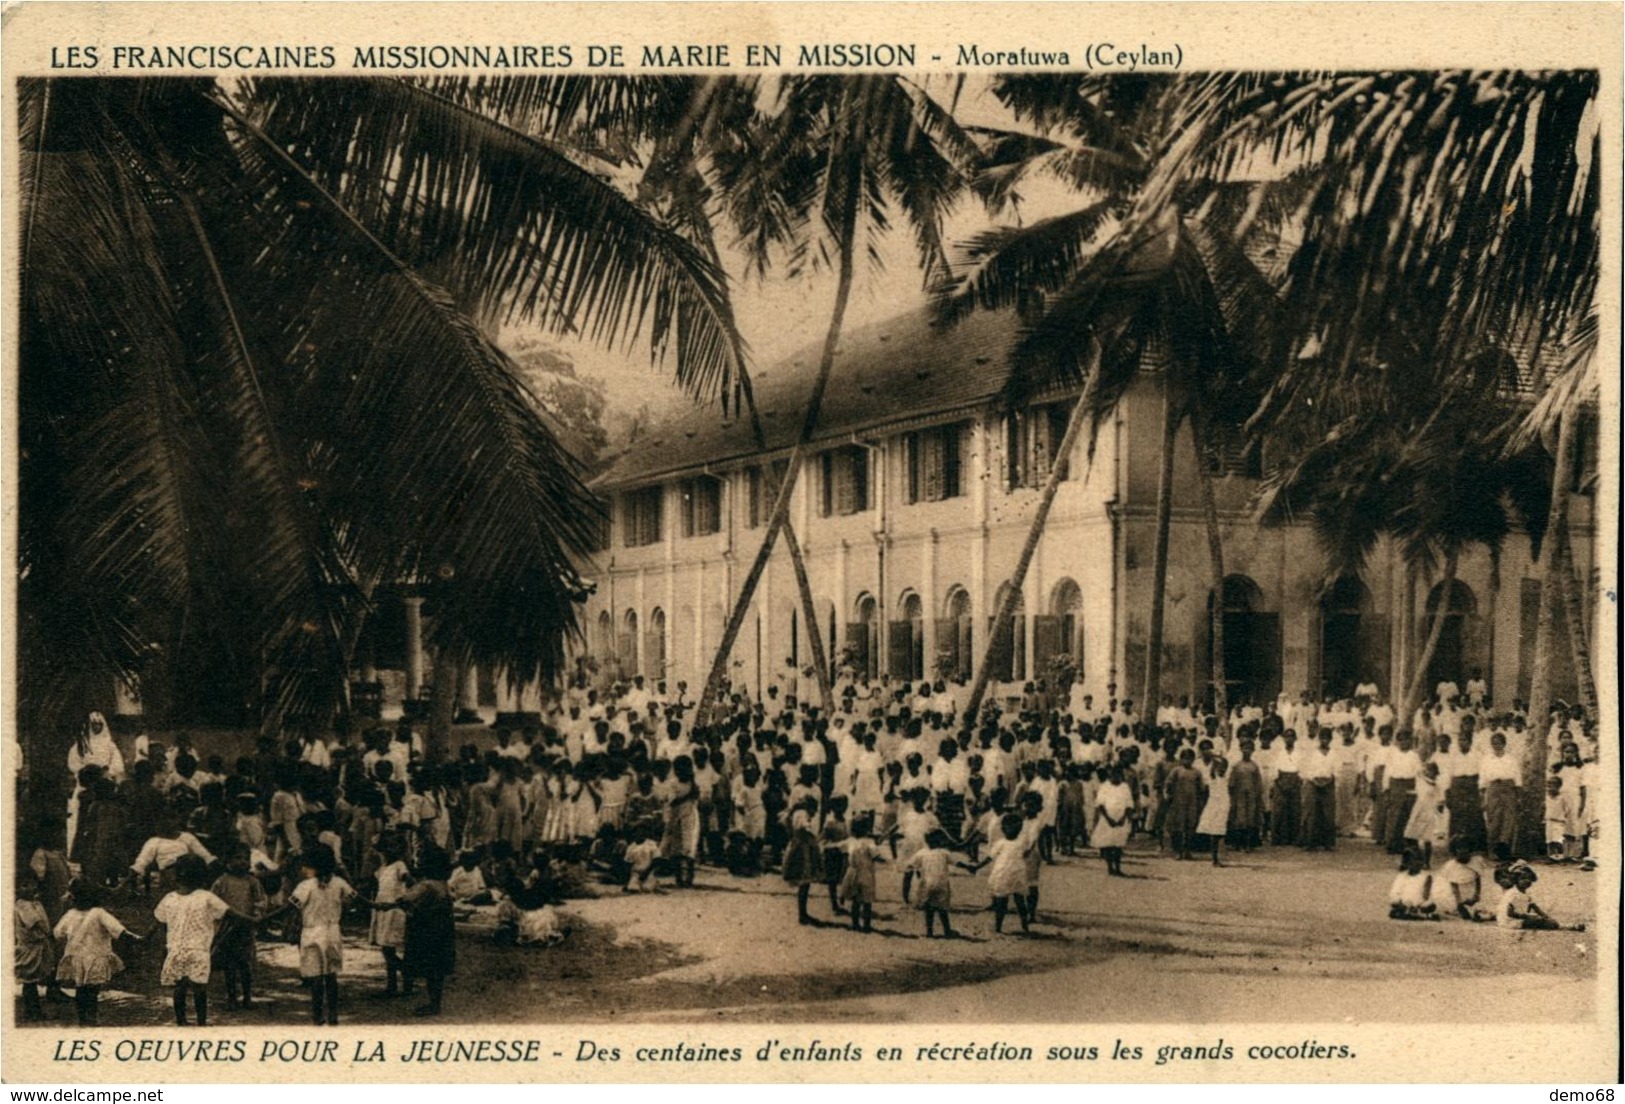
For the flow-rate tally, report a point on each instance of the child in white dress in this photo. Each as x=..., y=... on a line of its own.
x=190, y=916
x=1410, y=897
x=320, y=899
x=1215, y=819
x=1007, y=879
x=86, y=933
x=388, y=929
x=930, y=863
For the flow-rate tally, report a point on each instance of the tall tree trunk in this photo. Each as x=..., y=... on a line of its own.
x=442, y=705
x=1419, y=676
x=1215, y=554
x=1035, y=531
x=809, y=422
x=1574, y=613
x=1159, y=557
x=1540, y=688
x=809, y=617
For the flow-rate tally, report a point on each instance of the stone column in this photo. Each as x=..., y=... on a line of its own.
x=469, y=698
x=414, y=646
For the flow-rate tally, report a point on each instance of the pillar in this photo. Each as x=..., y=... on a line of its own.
x=414, y=646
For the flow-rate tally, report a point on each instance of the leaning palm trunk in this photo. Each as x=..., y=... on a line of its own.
x=1215, y=553
x=1419, y=673
x=809, y=617
x=1575, y=618
x=1159, y=559
x=1540, y=681
x=809, y=422
x=1013, y=592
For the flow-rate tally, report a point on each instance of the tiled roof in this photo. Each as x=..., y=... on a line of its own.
x=894, y=371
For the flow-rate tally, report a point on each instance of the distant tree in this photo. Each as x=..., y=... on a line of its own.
x=574, y=405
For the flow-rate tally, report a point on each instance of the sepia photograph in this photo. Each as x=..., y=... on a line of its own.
x=861, y=543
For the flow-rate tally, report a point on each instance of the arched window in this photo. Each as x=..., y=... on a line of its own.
x=654, y=651
x=1252, y=644
x=1458, y=652
x=1060, y=630
x=907, y=644
x=1009, y=658
x=626, y=650
x=1347, y=647
x=955, y=638
x=861, y=654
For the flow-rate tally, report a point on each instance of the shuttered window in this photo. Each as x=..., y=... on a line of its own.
x=844, y=481
x=755, y=509
x=1031, y=439
x=640, y=517
x=1229, y=452
x=935, y=462
x=702, y=506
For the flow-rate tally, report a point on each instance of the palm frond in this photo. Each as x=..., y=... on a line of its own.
x=509, y=220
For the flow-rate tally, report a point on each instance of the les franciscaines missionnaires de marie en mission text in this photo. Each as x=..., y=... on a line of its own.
x=429, y=56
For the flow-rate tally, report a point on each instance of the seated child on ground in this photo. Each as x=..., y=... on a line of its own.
x=1409, y=897
x=1518, y=909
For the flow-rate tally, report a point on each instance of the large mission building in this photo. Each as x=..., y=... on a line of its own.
x=912, y=510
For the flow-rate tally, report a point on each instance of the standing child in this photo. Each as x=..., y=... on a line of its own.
x=1032, y=810
x=431, y=930
x=803, y=860
x=234, y=947
x=320, y=899
x=858, y=883
x=832, y=837
x=36, y=952
x=86, y=933
x=1071, y=825
x=914, y=826
x=1215, y=820
x=931, y=863
x=1560, y=820
x=1007, y=880
x=389, y=924
x=1114, y=805
x=190, y=915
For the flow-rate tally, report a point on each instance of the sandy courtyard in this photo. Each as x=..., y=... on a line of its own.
x=1279, y=936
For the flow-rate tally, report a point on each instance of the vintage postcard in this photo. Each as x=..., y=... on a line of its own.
x=811, y=542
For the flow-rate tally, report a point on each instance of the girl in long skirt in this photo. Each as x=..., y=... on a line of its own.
x=681, y=845
x=1245, y=783
x=833, y=838
x=1498, y=776
x=803, y=859
x=35, y=949
x=431, y=932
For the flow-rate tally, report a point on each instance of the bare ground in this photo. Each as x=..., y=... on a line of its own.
x=1278, y=936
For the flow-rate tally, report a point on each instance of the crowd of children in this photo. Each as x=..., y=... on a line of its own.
x=629, y=782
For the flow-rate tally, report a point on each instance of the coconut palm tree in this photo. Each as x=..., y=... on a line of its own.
x=692, y=125
x=824, y=167
x=1175, y=293
x=254, y=383
x=1553, y=425
x=1468, y=200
